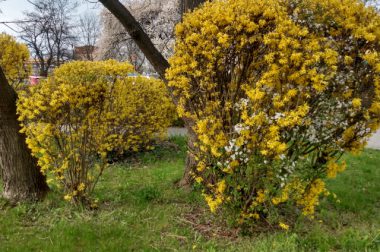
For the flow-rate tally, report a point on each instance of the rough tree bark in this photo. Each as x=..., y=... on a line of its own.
x=159, y=63
x=188, y=5
x=22, y=179
x=187, y=180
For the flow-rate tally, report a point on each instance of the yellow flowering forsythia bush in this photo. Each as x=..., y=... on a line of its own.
x=13, y=60
x=277, y=91
x=84, y=111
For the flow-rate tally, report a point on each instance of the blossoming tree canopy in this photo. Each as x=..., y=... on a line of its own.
x=278, y=91
x=86, y=110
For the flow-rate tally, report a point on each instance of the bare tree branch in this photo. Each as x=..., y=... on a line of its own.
x=47, y=31
x=136, y=32
x=88, y=32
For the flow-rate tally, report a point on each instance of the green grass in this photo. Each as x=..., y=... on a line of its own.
x=140, y=209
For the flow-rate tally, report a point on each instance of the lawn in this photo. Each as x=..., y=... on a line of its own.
x=140, y=209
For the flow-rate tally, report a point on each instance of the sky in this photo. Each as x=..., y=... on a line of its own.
x=13, y=10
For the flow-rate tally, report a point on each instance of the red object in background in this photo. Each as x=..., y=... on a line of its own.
x=34, y=80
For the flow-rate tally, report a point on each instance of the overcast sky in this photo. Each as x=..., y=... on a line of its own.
x=13, y=10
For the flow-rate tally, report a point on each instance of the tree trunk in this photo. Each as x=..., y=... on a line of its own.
x=22, y=179
x=190, y=165
x=43, y=72
x=159, y=63
x=189, y=5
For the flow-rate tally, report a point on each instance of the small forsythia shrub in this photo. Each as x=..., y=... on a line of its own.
x=85, y=110
x=13, y=60
x=277, y=91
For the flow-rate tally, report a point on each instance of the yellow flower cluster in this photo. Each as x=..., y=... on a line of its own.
x=333, y=168
x=311, y=196
x=13, y=60
x=275, y=91
x=86, y=110
x=215, y=200
x=283, y=226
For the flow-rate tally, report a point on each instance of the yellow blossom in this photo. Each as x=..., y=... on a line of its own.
x=357, y=103
x=283, y=226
